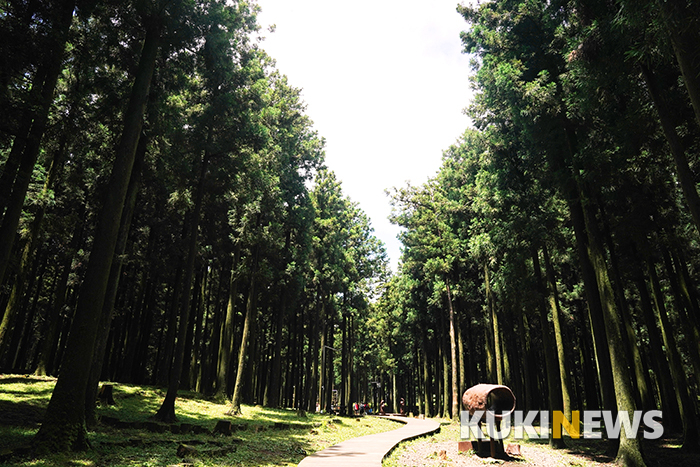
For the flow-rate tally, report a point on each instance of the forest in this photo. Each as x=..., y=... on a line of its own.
x=167, y=219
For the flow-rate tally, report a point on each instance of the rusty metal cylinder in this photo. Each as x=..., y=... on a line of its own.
x=495, y=399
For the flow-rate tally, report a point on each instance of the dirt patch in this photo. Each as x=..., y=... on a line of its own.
x=445, y=454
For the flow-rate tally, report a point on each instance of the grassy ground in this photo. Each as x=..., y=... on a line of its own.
x=262, y=437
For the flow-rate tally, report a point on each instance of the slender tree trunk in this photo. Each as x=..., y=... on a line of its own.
x=227, y=330
x=686, y=406
x=641, y=381
x=445, y=380
x=558, y=333
x=248, y=324
x=329, y=376
x=462, y=386
x=276, y=368
x=17, y=293
x=52, y=329
x=669, y=403
x=166, y=412
x=30, y=148
x=322, y=382
x=681, y=24
x=137, y=329
x=16, y=358
x=64, y=422
x=630, y=449
x=570, y=192
x=684, y=311
x=113, y=284
x=493, y=351
x=553, y=376
x=454, y=410
x=427, y=393
x=526, y=358
x=344, y=401
x=685, y=175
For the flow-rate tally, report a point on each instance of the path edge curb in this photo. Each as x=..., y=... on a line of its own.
x=409, y=438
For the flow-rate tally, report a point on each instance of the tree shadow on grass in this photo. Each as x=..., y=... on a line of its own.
x=22, y=413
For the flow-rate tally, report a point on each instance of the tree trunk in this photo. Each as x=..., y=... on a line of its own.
x=558, y=334
x=454, y=410
x=43, y=89
x=493, y=337
x=630, y=449
x=462, y=386
x=570, y=192
x=166, y=412
x=427, y=393
x=227, y=330
x=329, y=376
x=684, y=310
x=52, y=326
x=445, y=380
x=248, y=324
x=686, y=406
x=64, y=423
x=526, y=358
x=17, y=293
x=681, y=24
x=550, y=356
x=685, y=175
x=113, y=284
x=669, y=403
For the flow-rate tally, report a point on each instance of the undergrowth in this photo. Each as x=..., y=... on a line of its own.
x=261, y=436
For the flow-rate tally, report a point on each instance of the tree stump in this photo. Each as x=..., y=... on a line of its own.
x=223, y=427
x=106, y=395
x=183, y=450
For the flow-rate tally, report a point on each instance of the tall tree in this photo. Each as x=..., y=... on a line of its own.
x=64, y=423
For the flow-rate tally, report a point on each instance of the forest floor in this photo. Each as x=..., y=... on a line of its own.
x=260, y=437
x=126, y=437
x=441, y=450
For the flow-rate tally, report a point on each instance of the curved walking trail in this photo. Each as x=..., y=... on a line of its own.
x=370, y=450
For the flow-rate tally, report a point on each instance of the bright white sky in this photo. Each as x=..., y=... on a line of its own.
x=385, y=83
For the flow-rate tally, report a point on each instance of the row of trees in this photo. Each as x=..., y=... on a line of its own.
x=563, y=229
x=166, y=215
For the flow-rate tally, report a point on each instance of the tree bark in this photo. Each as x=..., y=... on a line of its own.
x=691, y=440
x=454, y=410
x=248, y=324
x=685, y=175
x=550, y=356
x=494, y=363
x=629, y=451
x=52, y=328
x=558, y=333
x=684, y=308
x=113, y=284
x=166, y=412
x=18, y=289
x=47, y=79
x=227, y=330
x=64, y=423
x=681, y=24
x=669, y=403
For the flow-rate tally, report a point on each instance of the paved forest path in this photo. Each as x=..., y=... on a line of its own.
x=369, y=450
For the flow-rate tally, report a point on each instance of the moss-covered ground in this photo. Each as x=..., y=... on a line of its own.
x=125, y=437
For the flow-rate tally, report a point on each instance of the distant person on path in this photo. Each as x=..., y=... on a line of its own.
x=402, y=406
x=382, y=407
